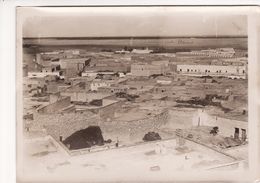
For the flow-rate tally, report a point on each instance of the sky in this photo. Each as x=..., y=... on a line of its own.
x=133, y=22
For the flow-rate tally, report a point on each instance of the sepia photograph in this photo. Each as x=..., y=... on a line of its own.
x=131, y=93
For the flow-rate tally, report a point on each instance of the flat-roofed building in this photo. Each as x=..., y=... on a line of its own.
x=33, y=83
x=75, y=96
x=97, y=83
x=55, y=105
x=147, y=69
x=90, y=73
x=104, y=108
x=44, y=74
x=51, y=68
x=74, y=63
x=238, y=72
x=114, y=89
x=73, y=66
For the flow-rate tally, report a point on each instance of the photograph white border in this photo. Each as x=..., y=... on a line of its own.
x=8, y=94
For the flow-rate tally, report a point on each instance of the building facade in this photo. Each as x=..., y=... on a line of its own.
x=98, y=84
x=74, y=63
x=234, y=72
x=147, y=69
x=43, y=74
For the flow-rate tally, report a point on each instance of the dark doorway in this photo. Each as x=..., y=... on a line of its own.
x=243, y=137
x=236, y=135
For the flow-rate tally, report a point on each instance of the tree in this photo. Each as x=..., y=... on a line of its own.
x=214, y=131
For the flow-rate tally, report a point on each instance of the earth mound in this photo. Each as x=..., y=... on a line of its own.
x=85, y=138
x=151, y=136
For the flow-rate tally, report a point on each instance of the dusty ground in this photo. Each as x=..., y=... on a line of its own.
x=149, y=159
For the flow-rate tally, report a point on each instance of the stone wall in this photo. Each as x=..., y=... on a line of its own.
x=66, y=124
x=154, y=123
x=63, y=124
x=136, y=129
x=108, y=112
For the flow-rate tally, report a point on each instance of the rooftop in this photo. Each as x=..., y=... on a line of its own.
x=105, y=102
x=74, y=59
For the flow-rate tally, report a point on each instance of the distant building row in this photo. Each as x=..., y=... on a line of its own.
x=221, y=52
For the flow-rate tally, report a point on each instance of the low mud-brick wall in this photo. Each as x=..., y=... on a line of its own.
x=136, y=129
x=63, y=124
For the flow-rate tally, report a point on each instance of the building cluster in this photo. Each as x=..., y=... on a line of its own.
x=109, y=85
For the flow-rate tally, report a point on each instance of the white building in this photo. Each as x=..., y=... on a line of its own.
x=238, y=72
x=98, y=83
x=89, y=74
x=138, y=51
x=163, y=80
x=73, y=52
x=43, y=74
x=121, y=52
x=121, y=75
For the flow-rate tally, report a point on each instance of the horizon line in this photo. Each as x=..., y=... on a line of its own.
x=138, y=37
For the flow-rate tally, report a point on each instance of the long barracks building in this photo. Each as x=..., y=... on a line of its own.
x=234, y=72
